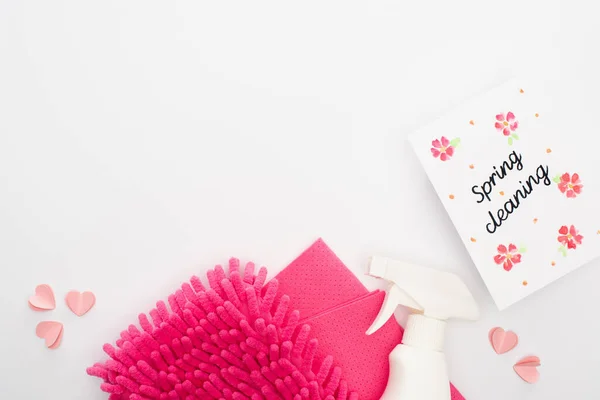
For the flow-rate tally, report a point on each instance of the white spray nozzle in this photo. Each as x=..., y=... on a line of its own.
x=436, y=294
x=377, y=266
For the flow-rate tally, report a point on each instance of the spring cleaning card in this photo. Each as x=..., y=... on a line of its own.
x=521, y=193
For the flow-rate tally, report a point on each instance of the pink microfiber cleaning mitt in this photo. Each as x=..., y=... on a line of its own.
x=232, y=340
x=339, y=310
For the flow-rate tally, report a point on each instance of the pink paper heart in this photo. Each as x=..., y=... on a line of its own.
x=58, y=340
x=492, y=333
x=80, y=303
x=51, y=332
x=530, y=361
x=43, y=299
x=503, y=341
x=526, y=368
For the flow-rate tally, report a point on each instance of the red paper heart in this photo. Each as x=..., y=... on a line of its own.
x=43, y=299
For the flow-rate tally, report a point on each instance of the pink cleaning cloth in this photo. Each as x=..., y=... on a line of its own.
x=339, y=310
x=317, y=280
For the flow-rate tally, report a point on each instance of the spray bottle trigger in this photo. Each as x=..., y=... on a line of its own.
x=394, y=296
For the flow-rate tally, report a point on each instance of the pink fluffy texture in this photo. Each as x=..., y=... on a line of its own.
x=234, y=340
x=339, y=310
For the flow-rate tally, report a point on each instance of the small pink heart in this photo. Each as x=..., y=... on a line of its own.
x=80, y=303
x=526, y=368
x=43, y=299
x=503, y=341
x=51, y=331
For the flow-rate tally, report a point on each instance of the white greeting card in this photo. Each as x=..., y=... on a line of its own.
x=520, y=196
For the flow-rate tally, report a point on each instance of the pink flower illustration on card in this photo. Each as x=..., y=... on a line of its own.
x=569, y=184
x=569, y=238
x=510, y=256
x=507, y=124
x=444, y=148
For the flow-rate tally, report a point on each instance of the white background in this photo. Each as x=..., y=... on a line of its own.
x=142, y=141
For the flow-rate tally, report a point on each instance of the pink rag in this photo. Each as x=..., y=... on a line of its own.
x=340, y=309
